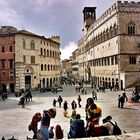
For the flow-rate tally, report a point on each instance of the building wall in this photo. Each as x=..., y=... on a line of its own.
x=107, y=39
x=6, y=42
x=46, y=69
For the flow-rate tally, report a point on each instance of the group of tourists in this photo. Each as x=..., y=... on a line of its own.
x=77, y=126
x=25, y=98
x=45, y=132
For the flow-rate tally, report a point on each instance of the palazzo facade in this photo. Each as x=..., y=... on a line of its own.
x=109, y=51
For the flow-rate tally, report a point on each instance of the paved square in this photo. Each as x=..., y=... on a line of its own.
x=14, y=120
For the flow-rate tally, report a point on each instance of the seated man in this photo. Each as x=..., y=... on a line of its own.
x=77, y=129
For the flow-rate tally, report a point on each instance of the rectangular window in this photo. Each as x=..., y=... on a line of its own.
x=3, y=63
x=11, y=75
x=32, y=59
x=3, y=75
x=11, y=63
x=3, y=49
x=112, y=60
x=116, y=60
x=24, y=58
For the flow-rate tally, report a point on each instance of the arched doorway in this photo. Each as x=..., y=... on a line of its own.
x=27, y=82
x=51, y=82
x=47, y=82
x=12, y=87
x=43, y=82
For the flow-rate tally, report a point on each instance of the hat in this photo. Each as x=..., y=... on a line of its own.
x=51, y=112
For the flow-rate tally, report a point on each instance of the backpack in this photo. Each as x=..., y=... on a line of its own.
x=116, y=129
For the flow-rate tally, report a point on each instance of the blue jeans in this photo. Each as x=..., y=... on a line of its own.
x=45, y=133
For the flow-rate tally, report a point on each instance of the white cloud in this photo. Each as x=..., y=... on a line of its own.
x=8, y=15
x=66, y=52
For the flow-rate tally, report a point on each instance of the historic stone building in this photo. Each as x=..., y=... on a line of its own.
x=36, y=59
x=74, y=65
x=109, y=51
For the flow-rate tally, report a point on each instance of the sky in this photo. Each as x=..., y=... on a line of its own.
x=51, y=17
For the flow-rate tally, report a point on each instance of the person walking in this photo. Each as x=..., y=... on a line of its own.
x=79, y=100
x=121, y=100
x=60, y=100
x=119, y=103
x=65, y=106
x=54, y=103
x=73, y=105
x=94, y=95
x=22, y=101
x=124, y=95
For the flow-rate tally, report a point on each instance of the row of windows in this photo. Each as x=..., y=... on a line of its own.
x=106, y=61
x=132, y=60
x=102, y=37
x=6, y=38
x=49, y=53
x=32, y=59
x=32, y=44
x=46, y=43
x=49, y=67
x=10, y=63
x=11, y=75
x=3, y=49
x=109, y=33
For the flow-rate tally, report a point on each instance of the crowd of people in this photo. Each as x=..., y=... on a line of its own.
x=78, y=128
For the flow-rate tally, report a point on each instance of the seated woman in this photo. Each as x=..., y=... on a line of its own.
x=77, y=129
x=58, y=132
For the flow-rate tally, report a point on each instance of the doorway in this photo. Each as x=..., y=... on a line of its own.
x=28, y=82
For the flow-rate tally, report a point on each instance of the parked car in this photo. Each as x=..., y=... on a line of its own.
x=45, y=89
x=58, y=88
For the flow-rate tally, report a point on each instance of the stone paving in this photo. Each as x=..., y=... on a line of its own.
x=14, y=120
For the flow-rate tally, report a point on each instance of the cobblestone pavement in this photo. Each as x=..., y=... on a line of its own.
x=14, y=120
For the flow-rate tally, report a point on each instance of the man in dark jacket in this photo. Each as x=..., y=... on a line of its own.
x=77, y=129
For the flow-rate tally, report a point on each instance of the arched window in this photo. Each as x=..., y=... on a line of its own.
x=48, y=67
x=45, y=52
x=50, y=53
x=32, y=45
x=53, y=53
x=41, y=51
x=41, y=67
x=10, y=48
x=45, y=67
x=131, y=28
x=24, y=43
